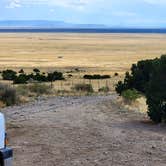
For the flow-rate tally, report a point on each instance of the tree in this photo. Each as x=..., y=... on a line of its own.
x=120, y=87
x=21, y=79
x=21, y=71
x=139, y=76
x=149, y=78
x=36, y=70
x=55, y=76
x=9, y=75
x=156, y=92
x=96, y=76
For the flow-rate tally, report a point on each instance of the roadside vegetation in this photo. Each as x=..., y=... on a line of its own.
x=83, y=88
x=23, y=93
x=20, y=87
x=34, y=89
x=130, y=95
x=7, y=95
x=23, y=78
x=104, y=89
x=148, y=78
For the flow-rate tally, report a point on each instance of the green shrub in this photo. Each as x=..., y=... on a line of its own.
x=21, y=79
x=116, y=74
x=70, y=75
x=22, y=90
x=39, y=89
x=36, y=70
x=96, y=76
x=104, y=89
x=156, y=92
x=83, y=87
x=120, y=87
x=130, y=94
x=55, y=76
x=38, y=77
x=21, y=71
x=8, y=95
x=149, y=78
x=139, y=76
x=9, y=75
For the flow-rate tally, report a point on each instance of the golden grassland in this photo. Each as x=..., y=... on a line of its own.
x=90, y=53
x=93, y=52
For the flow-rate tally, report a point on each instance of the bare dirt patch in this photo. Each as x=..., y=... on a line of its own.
x=83, y=131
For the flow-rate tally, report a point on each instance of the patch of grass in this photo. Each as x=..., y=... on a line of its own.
x=22, y=90
x=83, y=88
x=130, y=95
x=36, y=89
x=40, y=89
x=7, y=95
x=104, y=89
x=2, y=104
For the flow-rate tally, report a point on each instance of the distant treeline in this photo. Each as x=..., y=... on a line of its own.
x=22, y=78
x=96, y=76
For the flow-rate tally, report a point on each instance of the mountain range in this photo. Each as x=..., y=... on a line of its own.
x=44, y=24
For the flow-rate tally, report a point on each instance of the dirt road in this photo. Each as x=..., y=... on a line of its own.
x=83, y=131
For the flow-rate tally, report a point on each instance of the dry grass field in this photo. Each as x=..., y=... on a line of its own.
x=92, y=52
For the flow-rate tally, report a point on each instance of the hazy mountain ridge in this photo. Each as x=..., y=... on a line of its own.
x=45, y=24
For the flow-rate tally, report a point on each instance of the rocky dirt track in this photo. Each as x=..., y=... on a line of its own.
x=83, y=131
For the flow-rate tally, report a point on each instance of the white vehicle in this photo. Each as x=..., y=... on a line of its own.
x=6, y=154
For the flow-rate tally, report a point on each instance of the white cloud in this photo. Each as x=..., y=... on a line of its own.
x=62, y=3
x=77, y=4
x=14, y=4
x=156, y=2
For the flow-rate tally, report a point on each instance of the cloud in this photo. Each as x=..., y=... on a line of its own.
x=62, y=3
x=75, y=3
x=14, y=4
x=156, y=2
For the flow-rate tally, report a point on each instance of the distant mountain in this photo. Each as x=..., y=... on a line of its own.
x=44, y=24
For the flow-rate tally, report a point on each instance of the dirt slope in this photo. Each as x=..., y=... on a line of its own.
x=83, y=131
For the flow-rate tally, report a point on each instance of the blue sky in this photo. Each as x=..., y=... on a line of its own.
x=119, y=13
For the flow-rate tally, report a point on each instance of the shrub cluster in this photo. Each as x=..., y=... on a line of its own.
x=104, y=89
x=116, y=74
x=34, y=89
x=96, y=76
x=138, y=78
x=9, y=74
x=83, y=87
x=156, y=92
x=7, y=95
x=39, y=89
x=22, y=78
x=149, y=78
x=130, y=95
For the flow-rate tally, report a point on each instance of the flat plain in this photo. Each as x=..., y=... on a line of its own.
x=82, y=130
x=107, y=53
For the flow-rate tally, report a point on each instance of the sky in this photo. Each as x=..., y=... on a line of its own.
x=114, y=13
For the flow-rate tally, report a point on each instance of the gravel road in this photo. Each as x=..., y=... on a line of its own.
x=83, y=131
